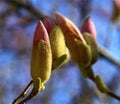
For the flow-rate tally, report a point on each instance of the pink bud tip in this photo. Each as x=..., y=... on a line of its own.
x=64, y=22
x=48, y=23
x=88, y=26
x=41, y=33
x=117, y=3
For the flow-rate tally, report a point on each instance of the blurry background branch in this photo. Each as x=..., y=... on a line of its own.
x=27, y=6
x=37, y=14
x=105, y=53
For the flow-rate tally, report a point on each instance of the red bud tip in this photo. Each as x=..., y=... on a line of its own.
x=65, y=23
x=88, y=26
x=48, y=23
x=41, y=33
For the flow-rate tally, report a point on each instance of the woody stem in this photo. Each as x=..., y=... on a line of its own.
x=24, y=93
x=113, y=95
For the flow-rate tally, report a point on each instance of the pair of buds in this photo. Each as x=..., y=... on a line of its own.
x=49, y=50
x=82, y=45
x=49, y=47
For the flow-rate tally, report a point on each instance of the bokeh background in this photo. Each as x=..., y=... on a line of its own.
x=18, y=19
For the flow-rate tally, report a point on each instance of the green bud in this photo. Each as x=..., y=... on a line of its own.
x=41, y=61
x=93, y=47
x=80, y=53
x=100, y=84
x=59, y=50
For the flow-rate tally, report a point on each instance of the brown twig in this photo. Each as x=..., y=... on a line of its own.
x=24, y=93
x=30, y=96
x=113, y=95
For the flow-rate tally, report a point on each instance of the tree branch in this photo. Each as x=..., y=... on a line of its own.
x=105, y=53
x=23, y=94
x=28, y=7
x=113, y=95
x=109, y=92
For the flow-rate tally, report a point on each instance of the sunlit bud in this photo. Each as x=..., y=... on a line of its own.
x=57, y=42
x=89, y=27
x=48, y=23
x=59, y=50
x=41, y=60
x=68, y=27
x=59, y=53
